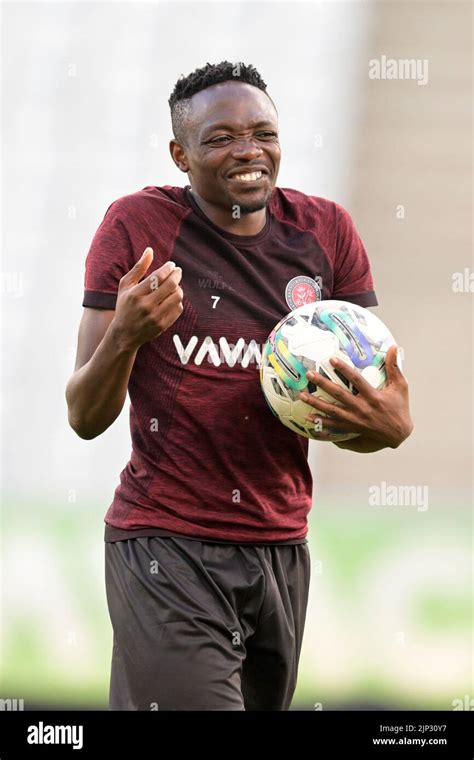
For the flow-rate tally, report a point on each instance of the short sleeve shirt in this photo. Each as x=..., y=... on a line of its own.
x=209, y=460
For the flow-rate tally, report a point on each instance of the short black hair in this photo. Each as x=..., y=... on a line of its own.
x=200, y=79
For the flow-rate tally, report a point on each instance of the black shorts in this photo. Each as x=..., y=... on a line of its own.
x=205, y=626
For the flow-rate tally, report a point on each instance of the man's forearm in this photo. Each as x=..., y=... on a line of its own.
x=361, y=445
x=364, y=444
x=96, y=392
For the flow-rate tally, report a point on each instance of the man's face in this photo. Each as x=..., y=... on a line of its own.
x=232, y=152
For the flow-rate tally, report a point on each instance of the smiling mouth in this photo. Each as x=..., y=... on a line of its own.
x=248, y=177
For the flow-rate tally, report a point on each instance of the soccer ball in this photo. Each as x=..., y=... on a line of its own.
x=305, y=340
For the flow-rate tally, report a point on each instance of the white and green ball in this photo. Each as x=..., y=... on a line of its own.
x=307, y=339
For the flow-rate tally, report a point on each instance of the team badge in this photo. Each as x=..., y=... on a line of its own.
x=302, y=290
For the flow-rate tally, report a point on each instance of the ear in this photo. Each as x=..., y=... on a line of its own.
x=178, y=154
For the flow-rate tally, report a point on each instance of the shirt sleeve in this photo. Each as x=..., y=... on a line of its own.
x=352, y=276
x=110, y=257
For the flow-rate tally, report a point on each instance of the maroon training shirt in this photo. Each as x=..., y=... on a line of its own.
x=209, y=460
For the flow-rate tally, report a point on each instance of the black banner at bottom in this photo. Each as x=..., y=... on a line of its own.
x=325, y=734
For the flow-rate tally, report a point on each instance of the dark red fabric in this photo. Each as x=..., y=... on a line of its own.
x=209, y=460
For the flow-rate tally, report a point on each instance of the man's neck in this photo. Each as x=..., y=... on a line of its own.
x=247, y=224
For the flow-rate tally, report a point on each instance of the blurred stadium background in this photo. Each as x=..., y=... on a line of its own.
x=85, y=120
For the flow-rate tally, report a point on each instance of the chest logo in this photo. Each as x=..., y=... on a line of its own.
x=302, y=290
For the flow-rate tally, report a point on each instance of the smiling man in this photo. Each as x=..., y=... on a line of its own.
x=207, y=562
x=227, y=172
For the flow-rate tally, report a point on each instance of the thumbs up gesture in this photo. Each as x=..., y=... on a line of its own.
x=147, y=307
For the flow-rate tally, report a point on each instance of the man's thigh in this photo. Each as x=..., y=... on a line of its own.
x=174, y=628
x=270, y=669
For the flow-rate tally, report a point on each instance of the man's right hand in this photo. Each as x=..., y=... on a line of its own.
x=146, y=309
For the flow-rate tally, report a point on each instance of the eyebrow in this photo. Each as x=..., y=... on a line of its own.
x=230, y=128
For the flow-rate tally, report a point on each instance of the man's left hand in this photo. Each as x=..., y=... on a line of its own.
x=381, y=417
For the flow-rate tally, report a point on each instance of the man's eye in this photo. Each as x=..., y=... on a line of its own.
x=219, y=140
x=266, y=135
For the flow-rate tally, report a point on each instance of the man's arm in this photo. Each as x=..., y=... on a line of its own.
x=361, y=445
x=96, y=392
x=108, y=341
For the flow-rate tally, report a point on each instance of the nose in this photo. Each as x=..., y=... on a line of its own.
x=246, y=148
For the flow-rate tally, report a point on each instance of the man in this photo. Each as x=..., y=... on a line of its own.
x=207, y=563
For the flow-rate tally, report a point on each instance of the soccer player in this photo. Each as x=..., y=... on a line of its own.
x=206, y=555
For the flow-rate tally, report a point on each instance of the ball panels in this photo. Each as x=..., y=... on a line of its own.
x=305, y=340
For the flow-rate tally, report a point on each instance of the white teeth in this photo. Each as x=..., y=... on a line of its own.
x=248, y=177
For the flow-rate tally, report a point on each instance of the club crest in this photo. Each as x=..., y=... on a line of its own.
x=302, y=290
